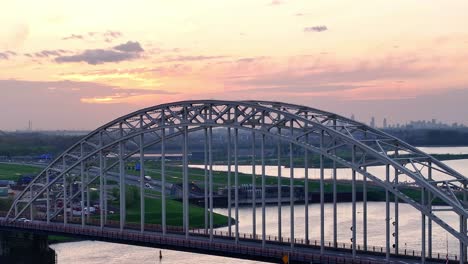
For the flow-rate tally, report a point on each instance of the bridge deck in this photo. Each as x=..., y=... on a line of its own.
x=198, y=242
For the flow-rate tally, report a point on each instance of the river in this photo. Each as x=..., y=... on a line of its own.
x=94, y=252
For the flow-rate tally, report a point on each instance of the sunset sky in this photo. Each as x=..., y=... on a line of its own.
x=79, y=64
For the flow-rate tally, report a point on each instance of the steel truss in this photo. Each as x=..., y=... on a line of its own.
x=104, y=152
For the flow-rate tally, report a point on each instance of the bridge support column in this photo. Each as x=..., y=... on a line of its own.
x=396, y=222
x=364, y=209
x=322, y=198
x=335, y=212
x=306, y=193
x=463, y=246
x=101, y=183
x=387, y=215
x=254, y=191
x=263, y=191
x=82, y=184
x=205, y=177
x=429, y=220
x=122, y=185
x=463, y=253
x=104, y=162
x=353, y=187
x=423, y=227
x=48, y=199
x=163, y=180
x=185, y=184
x=210, y=151
x=17, y=247
x=236, y=181
x=142, y=180
x=229, y=179
x=291, y=188
x=280, y=190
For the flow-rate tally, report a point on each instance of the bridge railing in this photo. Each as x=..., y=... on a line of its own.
x=328, y=244
x=157, y=239
x=300, y=242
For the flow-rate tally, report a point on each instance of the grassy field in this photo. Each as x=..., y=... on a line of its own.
x=196, y=175
x=173, y=214
x=14, y=171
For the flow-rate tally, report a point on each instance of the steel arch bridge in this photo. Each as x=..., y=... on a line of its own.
x=341, y=141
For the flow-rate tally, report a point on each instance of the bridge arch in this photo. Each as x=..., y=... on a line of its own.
x=326, y=134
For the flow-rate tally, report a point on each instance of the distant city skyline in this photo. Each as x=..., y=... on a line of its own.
x=373, y=122
x=77, y=66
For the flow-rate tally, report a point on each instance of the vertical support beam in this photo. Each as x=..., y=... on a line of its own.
x=254, y=191
x=306, y=192
x=229, y=187
x=88, y=196
x=462, y=246
x=105, y=187
x=463, y=230
x=142, y=178
x=353, y=187
x=464, y=256
x=186, y=190
x=396, y=216
x=236, y=181
x=322, y=196
x=291, y=187
x=101, y=183
x=364, y=208
x=210, y=150
x=64, y=201
x=70, y=191
x=263, y=191
x=429, y=220
x=122, y=181
x=82, y=172
x=163, y=179
x=31, y=213
x=387, y=215
x=335, y=212
x=48, y=198
x=280, y=187
x=205, y=179
x=423, y=227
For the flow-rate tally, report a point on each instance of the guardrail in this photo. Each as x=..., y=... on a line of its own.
x=154, y=233
x=214, y=246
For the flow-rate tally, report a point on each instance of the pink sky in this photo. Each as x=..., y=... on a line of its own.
x=79, y=64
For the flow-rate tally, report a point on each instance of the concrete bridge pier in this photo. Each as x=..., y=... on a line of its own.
x=25, y=248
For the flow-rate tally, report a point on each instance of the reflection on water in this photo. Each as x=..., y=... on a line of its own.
x=93, y=252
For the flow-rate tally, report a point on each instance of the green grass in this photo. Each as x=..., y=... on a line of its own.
x=14, y=171
x=173, y=214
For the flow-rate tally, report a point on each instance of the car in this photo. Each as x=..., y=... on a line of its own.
x=147, y=185
x=23, y=220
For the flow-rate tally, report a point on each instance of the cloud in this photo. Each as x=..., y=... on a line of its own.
x=127, y=51
x=48, y=53
x=73, y=36
x=98, y=56
x=315, y=29
x=130, y=46
x=107, y=36
x=7, y=55
x=110, y=35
